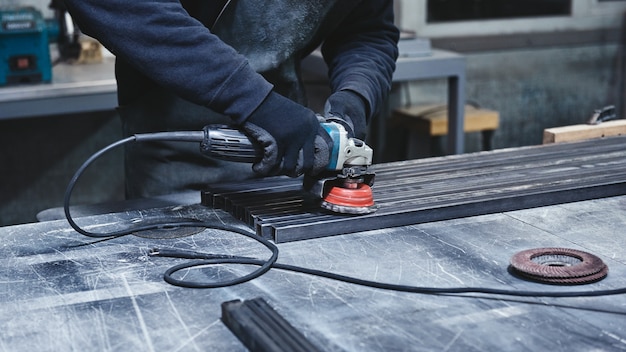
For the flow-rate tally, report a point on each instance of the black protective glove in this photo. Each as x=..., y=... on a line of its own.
x=348, y=109
x=290, y=136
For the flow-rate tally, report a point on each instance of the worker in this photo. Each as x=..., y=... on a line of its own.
x=184, y=64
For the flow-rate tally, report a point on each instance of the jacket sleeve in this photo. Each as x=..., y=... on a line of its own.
x=163, y=42
x=361, y=54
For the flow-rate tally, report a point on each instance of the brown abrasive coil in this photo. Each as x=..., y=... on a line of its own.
x=562, y=266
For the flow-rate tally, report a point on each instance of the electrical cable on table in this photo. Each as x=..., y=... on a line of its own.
x=206, y=259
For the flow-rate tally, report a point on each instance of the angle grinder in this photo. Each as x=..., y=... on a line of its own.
x=344, y=187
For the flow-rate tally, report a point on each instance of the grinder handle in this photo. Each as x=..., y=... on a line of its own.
x=226, y=143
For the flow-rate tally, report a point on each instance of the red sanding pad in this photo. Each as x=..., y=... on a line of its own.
x=358, y=200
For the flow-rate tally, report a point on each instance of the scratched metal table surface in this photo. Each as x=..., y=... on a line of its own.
x=62, y=291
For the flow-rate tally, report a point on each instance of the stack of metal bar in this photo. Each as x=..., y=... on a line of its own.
x=433, y=189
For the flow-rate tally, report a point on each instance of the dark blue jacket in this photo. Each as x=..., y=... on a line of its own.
x=174, y=46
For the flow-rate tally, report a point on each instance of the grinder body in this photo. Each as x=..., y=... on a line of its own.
x=344, y=187
x=230, y=144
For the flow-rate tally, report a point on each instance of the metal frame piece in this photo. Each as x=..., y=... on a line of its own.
x=434, y=189
x=260, y=328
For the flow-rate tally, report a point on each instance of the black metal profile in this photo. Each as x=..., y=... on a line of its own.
x=425, y=190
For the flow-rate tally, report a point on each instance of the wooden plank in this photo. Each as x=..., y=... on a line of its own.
x=432, y=119
x=583, y=132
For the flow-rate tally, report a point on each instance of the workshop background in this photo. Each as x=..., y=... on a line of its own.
x=538, y=71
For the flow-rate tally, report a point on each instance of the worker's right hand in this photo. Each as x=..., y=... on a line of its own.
x=286, y=131
x=348, y=109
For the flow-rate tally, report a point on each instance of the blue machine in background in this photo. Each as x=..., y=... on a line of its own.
x=24, y=45
x=25, y=38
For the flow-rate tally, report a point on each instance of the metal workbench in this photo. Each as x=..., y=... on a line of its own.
x=62, y=291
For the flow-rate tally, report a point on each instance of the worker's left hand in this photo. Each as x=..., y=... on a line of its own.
x=348, y=109
x=289, y=135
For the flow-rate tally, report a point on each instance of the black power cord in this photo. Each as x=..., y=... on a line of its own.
x=160, y=136
x=164, y=136
x=206, y=259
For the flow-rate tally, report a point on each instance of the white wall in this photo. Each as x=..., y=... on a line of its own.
x=586, y=14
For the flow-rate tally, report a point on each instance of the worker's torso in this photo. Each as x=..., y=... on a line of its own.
x=273, y=34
